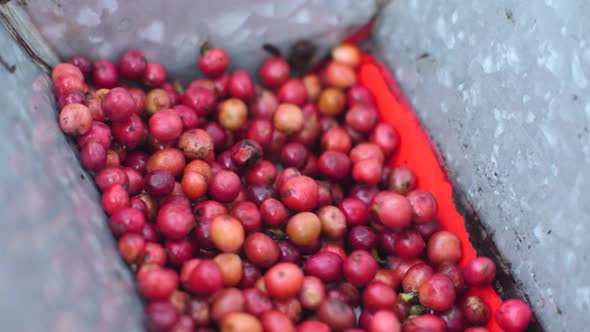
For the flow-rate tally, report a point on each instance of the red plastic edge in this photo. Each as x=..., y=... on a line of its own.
x=418, y=153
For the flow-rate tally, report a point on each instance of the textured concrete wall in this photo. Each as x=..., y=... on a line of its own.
x=59, y=267
x=503, y=88
x=170, y=32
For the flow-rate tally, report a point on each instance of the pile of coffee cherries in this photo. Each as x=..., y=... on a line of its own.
x=267, y=207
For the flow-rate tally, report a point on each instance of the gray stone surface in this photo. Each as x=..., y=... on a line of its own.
x=170, y=31
x=503, y=88
x=59, y=267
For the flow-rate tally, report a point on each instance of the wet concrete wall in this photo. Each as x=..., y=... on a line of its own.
x=503, y=88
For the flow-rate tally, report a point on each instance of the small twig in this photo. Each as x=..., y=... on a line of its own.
x=408, y=297
x=417, y=309
x=204, y=45
x=271, y=49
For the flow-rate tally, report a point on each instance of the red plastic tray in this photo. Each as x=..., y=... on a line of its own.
x=417, y=152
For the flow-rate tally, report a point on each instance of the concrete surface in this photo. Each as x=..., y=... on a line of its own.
x=170, y=32
x=503, y=88
x=59, y=267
